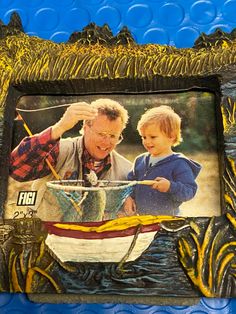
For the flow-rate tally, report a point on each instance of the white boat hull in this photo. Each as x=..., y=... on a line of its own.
x=98, y=250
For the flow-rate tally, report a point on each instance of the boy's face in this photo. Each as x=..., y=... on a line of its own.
x=156, y=142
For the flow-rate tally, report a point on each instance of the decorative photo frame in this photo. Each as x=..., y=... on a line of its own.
x=197, y=253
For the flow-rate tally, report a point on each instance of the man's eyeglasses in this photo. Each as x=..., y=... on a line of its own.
x=114, y=139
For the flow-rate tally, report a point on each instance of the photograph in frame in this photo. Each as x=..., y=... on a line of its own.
x=198, y=142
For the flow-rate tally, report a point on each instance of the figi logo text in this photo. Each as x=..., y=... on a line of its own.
x=26, y=198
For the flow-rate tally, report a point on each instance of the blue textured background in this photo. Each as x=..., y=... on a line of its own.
x=177, y=23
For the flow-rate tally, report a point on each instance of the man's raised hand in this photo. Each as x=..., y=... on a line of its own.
x=74, y=113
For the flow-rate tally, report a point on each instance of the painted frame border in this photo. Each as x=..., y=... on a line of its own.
x=210, y=65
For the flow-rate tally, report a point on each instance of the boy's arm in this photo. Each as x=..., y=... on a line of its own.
x=27, y=160
x=183, y=187
x=131, y=175
x=129, y=206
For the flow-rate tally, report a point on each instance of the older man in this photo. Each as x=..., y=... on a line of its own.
x=72, y=158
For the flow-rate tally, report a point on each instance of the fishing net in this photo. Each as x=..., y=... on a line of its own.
x=90, y=203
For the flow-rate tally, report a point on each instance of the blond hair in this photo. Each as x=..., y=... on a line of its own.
x=167, y=120
x=110, y=108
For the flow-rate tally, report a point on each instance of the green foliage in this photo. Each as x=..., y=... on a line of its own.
x=197, y=110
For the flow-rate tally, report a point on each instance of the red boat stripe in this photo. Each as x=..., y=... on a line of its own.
x=51, y=229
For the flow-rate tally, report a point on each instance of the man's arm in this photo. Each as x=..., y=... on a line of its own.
x=27, y=160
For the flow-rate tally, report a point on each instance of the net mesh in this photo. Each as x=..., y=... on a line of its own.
x=83, y=203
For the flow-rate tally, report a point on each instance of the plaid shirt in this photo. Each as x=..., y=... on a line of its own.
x=89, y=163
x=27, y=161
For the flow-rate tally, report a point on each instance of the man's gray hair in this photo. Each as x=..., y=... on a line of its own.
x=110, y=108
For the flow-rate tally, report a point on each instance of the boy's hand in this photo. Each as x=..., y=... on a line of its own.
x=129, y=208
x=162, y=184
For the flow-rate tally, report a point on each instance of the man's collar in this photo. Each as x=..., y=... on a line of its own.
x=89, y=161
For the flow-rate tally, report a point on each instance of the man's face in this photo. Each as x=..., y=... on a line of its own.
x=102, y=136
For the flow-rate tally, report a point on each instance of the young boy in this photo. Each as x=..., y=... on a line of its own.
x=173, y=175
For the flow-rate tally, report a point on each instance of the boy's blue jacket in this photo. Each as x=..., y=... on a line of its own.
x=178, y=169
